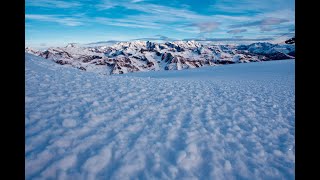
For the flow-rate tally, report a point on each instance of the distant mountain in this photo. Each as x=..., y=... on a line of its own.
x=32, y=51
x=125, y=57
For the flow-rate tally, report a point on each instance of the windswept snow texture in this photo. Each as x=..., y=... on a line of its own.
x=222, y=122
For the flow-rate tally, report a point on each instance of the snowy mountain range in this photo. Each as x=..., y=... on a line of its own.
x=125, y=57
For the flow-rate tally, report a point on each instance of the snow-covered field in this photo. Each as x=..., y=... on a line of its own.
x=223, y=122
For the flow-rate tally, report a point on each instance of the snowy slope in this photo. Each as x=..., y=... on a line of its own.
x=222, y=122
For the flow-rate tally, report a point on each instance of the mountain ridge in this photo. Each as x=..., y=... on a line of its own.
x=134, y=56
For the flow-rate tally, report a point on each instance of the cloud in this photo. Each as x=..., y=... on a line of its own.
x=234, y=7
x=161, y=37
x=288, y=34
x=247, y=6
x=164, y=13
x=157, y=37
x=275, y=29
x=187, y=29
x=126, y=23
x=266, y=28
x=104, y=42
x=292, y=28
x=207, y=27
x=146, y=39
x=272, y=21
x=53, y=3
x=183, y=20
x=236, y=31
x=177, y=18
x=136, y=1
x=263, y=24
x=160, y=16
x=68, y=21
x=228, y=39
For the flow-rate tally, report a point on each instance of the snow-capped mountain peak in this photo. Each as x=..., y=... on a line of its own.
x=125, y=57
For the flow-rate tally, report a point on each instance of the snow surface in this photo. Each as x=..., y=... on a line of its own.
x=222, y=122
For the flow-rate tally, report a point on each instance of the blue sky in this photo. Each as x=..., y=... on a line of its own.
x=58, y=22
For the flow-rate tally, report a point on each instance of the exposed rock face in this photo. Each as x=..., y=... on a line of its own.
x=124, y=65
x=151, y=46
x=167, y=57
x=126, y=57
x=291, y=41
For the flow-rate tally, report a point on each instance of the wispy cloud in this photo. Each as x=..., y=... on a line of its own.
x=291, y=28
x=157, y=37
x=154, y=16
x=266, y=28
x=207, y=27
x=187, y=29
x=161, y=16
x=228, y=39
x=68, y=21
x=272, y=21
x=126, y=23
x=165, y=38
x=136, y=1
x=53, y=3
x=245, y=6
x=236, y=31
x=234, y=7
x=104, y=42
x=224, y=18
x=263, y=24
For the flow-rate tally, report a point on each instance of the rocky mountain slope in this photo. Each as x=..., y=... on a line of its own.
x=125, y=57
